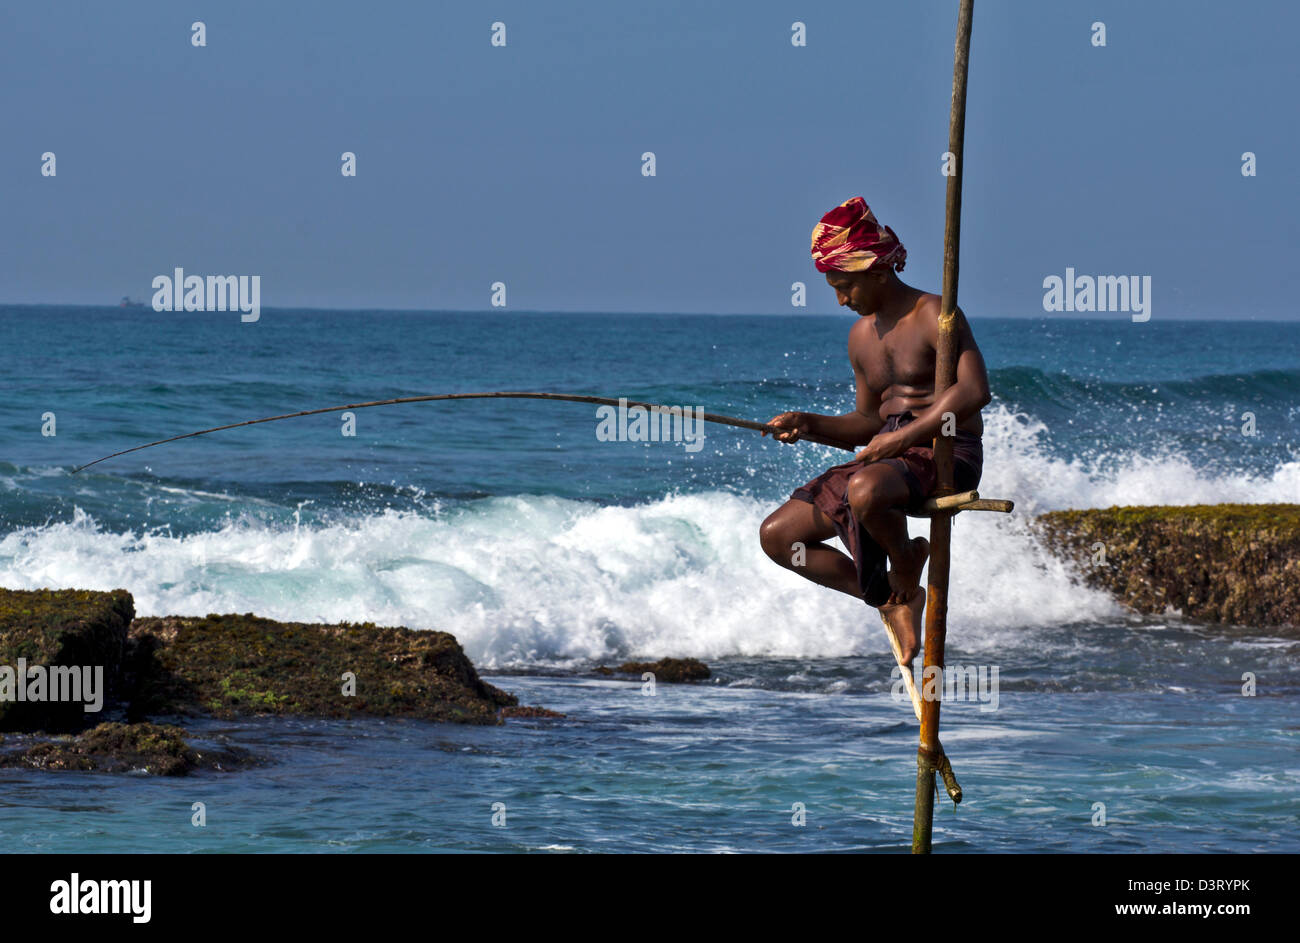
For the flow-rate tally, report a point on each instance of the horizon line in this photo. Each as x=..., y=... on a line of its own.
x=1053, y=315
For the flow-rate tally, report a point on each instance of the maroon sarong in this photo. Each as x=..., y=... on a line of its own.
x=828, y=492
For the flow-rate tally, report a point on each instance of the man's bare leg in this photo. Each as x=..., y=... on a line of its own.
x=801, y=522
x=798, y=522
x=877, y=495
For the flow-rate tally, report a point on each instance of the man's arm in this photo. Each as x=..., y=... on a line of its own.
x=856, y=427
x=853, y=428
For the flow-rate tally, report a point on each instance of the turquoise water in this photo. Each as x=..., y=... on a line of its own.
x=710, y=768
x=546, y=551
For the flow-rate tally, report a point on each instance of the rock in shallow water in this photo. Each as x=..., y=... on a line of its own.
x=124, y=748
x=224, y=665
x=47, y=633
x=665, y=670
x=233, y=665
x=1229, y=563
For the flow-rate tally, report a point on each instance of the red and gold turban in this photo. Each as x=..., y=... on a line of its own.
x=850, y=239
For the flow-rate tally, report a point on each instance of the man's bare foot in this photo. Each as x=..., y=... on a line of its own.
x=907, y=622
x=905, y=575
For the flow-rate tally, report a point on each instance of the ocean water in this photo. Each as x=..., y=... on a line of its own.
x=547, y=552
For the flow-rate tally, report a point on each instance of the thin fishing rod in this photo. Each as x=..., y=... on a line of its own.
x=569, y=397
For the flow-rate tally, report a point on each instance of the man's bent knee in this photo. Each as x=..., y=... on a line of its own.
x=876, y=488
x=774, y=536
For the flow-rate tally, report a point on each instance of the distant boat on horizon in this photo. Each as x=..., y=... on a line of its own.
x=126, y=302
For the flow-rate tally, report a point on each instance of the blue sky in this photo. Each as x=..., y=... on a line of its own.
x=522, y=164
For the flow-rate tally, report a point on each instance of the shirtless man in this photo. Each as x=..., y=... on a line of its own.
x=892, y=349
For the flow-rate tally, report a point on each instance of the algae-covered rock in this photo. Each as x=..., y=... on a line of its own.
x=114, y=747
x=531, y=712
x=231, y=665
x=1232, y=563
x=226, y=665
x=665, y=670
x=46, y=633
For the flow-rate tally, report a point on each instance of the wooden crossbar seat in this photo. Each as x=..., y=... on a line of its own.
x=961, y=501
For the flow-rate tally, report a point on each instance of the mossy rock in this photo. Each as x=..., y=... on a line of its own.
x=120, y=748
x=542, y=713
x=1228, y=563
x=61, y=628
x=237, y=665
x=665, y=670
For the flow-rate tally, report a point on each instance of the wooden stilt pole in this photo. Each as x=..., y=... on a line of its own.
x=930, y=757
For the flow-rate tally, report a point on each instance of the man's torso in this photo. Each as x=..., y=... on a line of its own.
x=898, y=360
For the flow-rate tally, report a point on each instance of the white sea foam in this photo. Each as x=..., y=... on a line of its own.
x=549, y=580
